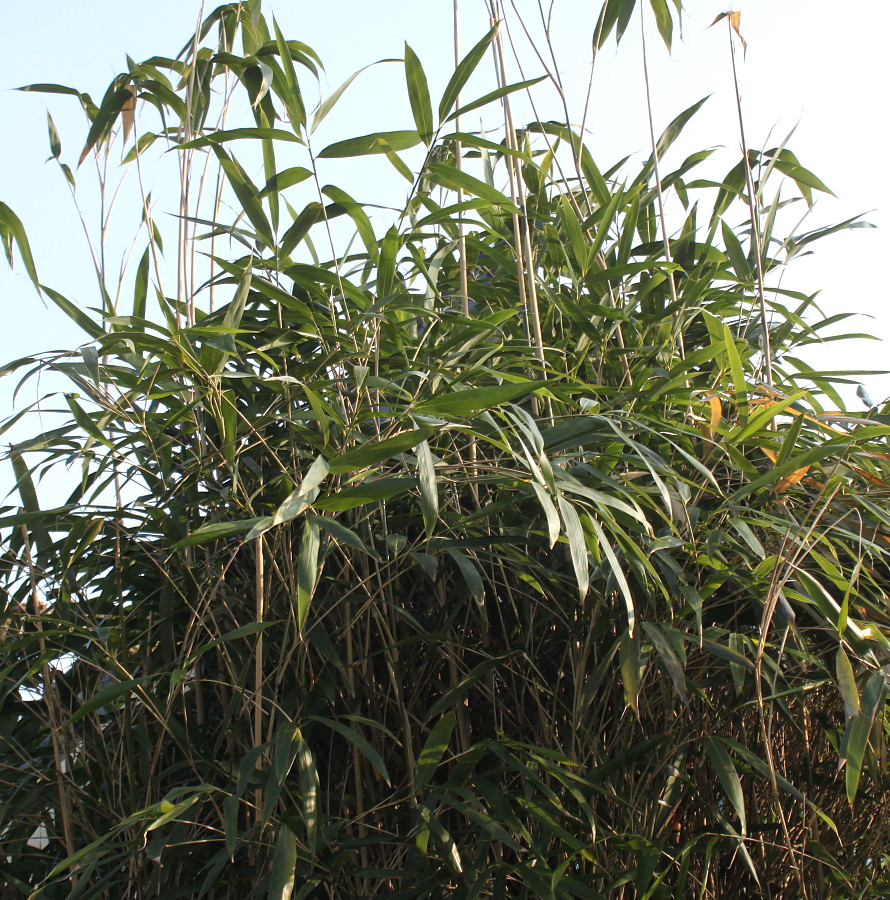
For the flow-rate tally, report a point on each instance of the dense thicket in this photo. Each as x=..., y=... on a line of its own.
x=503, y=547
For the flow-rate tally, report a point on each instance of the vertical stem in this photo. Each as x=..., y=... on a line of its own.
x=522, y=233
x=755, y=220
x=258, y=663
x=661, y=217
x=461, y=237
x=49, y=698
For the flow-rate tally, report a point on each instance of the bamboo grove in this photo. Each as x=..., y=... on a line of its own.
x=503, y=544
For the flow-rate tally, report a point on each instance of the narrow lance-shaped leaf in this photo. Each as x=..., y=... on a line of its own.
x=284, y=865
x=495, y=95
x=309, y=791
x=462, y=73
x=433, y=751
x=429, y=495
x=308, y=568
x=377, y=451
x=577, y=547
x=419, y=95
x=729, y=778
x=12, y=230
x=379, y=142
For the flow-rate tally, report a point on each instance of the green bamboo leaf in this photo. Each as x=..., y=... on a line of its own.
x=846, y=683
x=55, y=145
x=387, y=264
x=309, y=791
x=618, y=572
x=118, y=95
x=239, y=134
x=376, y=491
x=361, y=744
x=171, y=815
x=285, y=179
x=356, y=212
x=429, y=495
x=246, y=192
x=433, y=751
x=550, y=512
x=105, y=697
x=495, y=95
x=460, y=404
x=311, y=214
x=462, y=73
x=577, y=547
x=284, y=754
x=629, y=664
x=664, y=20
x=470, y=574
x=374, y=452
x=455, y=179
x=787, y=163
x=729, y=778
x=302, y=497
x=855, y=741
x=668, y=657
x=379, y=142
x=218, y=530
x=284, y=865
x=11, y=229
x=288, y=85
x=308, y=568
x=419, y=95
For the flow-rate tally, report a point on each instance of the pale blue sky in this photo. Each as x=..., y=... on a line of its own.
x=818, y=63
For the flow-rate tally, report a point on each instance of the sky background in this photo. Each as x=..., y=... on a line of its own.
x=817, y=65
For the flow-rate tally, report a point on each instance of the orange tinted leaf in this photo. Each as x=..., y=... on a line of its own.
x=792, y=479
x=716, y=411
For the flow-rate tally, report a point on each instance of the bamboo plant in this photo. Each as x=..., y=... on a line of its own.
x=501, y=545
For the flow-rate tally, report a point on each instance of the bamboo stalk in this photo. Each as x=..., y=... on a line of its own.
x=258, y=664
x=49, y=697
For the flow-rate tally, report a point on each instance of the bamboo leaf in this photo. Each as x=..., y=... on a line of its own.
x=846, y=683
x=433, y=751
x=379, y=142
x=462, y=73
x=429, y=495
x=455, y=179
x=460, y=404
x=495, y=95
x=577, y=547
x=309, y=791
x=419, y=95
x=374, y=452
x=11, y=229
x=284, y=865
x=302, y=497
x=308, y=568
x=729, y=778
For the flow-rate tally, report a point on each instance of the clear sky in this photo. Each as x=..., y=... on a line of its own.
x=819, y=65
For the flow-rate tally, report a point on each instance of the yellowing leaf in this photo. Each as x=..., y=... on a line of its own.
x=128, y=114
x=734, y=17
x=792, y=479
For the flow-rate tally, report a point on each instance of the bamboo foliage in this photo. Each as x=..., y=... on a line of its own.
x=416, y=557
